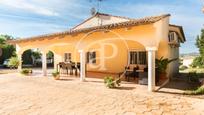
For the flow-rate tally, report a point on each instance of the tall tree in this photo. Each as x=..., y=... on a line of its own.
x=199, y=61
x=200, y=43
x=6, y=50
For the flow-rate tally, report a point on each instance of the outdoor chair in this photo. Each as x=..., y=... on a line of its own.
x=78, y=66
x=143, y=77
x=63, y=67
x=69, y=67
x=74, y=67
x=133, y=73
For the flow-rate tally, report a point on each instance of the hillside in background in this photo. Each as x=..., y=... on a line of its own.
x=193, y=54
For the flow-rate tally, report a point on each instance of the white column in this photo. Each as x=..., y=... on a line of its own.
x=20, y=61
x=19, y=55
x=151, y=68
x=82, y=65
x=55, y=62
x=44, y=63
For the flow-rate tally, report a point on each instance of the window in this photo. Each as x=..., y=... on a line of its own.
x=91, y=57
x=67, y=57
x=137, y=57
x=172, y=37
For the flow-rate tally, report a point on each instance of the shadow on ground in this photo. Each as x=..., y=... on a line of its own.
x=179, y=84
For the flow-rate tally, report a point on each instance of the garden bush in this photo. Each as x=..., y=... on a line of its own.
x=183, y=67
x=26, y=71
x=198, y=91
x=193, y=76
x=13, y=62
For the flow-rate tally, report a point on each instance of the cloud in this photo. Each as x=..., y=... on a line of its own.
x=28, y=6
x=185, y=13
x=55, y=15
x=28, y=29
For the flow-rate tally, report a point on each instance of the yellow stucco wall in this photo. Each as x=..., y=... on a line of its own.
x=123, y=39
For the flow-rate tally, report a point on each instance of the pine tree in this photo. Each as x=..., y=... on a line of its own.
x=199, y=61
x=200, y=43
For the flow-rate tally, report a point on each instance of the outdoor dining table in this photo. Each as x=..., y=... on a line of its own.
x=73, y=65
x=130, y=70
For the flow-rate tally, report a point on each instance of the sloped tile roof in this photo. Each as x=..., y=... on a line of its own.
x=181, y=30
x=101, y=14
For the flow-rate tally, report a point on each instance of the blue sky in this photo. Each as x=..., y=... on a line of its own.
x=24, y=18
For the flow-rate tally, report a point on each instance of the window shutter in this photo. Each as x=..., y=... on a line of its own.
x=93, y=57
x=87, y=57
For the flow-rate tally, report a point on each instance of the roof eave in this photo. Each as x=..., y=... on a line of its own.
x=181, y=30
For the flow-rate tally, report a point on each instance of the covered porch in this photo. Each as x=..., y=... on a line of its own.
x=82, y=72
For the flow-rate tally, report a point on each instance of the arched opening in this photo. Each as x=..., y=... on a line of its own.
x=50, y=59
x=32, y=59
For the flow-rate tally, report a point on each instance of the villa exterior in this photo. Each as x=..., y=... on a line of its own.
x=106, y=43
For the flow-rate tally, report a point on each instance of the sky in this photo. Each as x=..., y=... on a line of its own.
x=25, y=18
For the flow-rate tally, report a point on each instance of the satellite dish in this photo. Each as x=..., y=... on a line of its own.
x=93, y=11
x=203, y=6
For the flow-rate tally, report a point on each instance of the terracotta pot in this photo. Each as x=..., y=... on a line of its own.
x=57, y=77
x=162, y=76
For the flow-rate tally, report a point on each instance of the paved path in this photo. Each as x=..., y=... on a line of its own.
x=23, y=95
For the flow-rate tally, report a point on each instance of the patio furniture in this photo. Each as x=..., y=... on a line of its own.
x=62, y=66
x=143, y=77
x=131, y=73
x=78, y=66
x=69, y=67
x=74, y=67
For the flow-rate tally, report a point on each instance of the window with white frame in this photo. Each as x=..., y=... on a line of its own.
x=91, y=57
x=67, y=57
x=138, y=57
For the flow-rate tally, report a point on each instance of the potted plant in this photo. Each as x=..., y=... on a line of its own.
x=111, y=83
x=56, y=75
x=26, y=72
x=161, y=66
